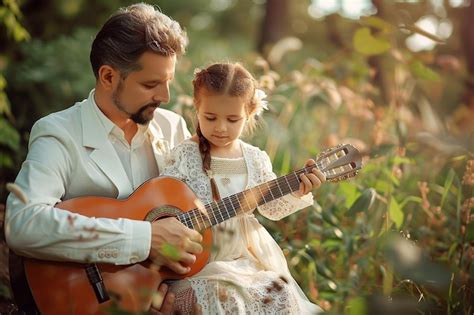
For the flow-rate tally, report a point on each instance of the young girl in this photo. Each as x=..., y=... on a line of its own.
x=247, y=272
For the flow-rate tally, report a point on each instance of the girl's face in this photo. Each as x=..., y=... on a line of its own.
x=222, y=119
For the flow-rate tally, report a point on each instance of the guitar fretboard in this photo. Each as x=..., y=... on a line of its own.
x=219, y=211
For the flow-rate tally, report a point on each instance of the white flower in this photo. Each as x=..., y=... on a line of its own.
x=262, y=104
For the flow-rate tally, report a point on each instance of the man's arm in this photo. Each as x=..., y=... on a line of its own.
x=40, y=230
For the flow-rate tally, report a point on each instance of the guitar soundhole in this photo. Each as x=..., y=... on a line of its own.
x=160, y=212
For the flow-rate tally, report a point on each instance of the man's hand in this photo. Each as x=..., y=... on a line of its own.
x=174, y=245
x=310, y=181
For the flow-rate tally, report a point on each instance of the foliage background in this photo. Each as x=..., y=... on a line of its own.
x=397, y=238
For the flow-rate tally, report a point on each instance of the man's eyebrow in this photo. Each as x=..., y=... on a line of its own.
x=158, y=80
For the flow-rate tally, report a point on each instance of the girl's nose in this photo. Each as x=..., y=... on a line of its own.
x=220, y=127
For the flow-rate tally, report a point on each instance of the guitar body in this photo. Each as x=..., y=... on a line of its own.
x=64, y=288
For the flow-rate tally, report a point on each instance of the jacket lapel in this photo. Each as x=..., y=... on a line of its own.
x=104, y=155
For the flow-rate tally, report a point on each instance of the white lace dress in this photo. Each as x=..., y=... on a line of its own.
x=247, y=272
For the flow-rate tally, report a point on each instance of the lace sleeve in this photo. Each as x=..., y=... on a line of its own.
x=280, y=208
x=173, y=164
x=184, y=163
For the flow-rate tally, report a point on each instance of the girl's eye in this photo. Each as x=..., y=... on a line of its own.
x=233, y=120
x=210, y=118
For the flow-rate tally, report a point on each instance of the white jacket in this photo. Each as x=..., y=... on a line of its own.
x=70, y=156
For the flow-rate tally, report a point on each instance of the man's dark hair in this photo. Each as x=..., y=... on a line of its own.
x=132, y=31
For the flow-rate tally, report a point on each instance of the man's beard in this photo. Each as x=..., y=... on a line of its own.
x=138, y=117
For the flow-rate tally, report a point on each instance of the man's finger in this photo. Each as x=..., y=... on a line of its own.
x=192, y=247
x=177, y=267
x=187, y=259
x=194, y=236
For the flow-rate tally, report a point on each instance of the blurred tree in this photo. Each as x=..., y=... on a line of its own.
x=468, y=42
x=274, y=25
x=10, y=15
x=383, y=77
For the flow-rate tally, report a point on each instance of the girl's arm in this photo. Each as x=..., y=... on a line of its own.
x=284, y=206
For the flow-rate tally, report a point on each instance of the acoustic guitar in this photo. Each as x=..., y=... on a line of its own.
x=74, y=288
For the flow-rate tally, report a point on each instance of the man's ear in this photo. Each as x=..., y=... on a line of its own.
x=108, y=77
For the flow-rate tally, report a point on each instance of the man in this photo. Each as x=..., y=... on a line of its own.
x=107, y=145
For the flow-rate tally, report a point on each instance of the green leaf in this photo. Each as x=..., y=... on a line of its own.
x=378, y=23
x=447, y=185
x=349, y=191
x=366, y=44
x=391, y=176
x=331, y=243
x=4, y=104
x=356, y=306
x=382, y=186
x=381, y=150
x=423, y=72
x=363, y=203
x=396, y=213
x=330, y=218
x=285, y=164
x=3, y=82
x=8, y=135
x=412, y=199
x=5, y=161
x=397, y=160
x=470, y=232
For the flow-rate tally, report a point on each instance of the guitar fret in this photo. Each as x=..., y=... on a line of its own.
x=227, y=213
x=210, y=210
x=230, y=208
x=245, y=198
x=233, y=199
x=240, y=204
x=279, y=188
x=261, y=193
x=188, y=221
x=270, y=190
x=220, y=212
x=229, y=202
x=197, y=219
x=253, y=194
x=248, y=204
x=206, y=218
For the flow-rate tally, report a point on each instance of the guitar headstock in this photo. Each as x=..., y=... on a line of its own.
x=340, y=162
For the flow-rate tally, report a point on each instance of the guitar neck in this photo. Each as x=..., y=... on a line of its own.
x=216, y=212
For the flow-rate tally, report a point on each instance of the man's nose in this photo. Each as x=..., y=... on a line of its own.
x=162, y=93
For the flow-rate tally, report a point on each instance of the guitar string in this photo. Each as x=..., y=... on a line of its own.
x=188, y=219
x=225, y=203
